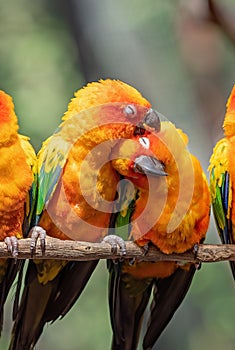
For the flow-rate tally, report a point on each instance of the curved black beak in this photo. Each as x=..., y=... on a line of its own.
x=149, y=165
x=150, y=122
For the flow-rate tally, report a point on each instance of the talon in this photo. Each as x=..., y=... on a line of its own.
x=12, y=246
x=132, y=261
x=145, y=249
x=114, y=242
x=36, y=233
x=197, y=264
x=195, y=250
x=115, y=262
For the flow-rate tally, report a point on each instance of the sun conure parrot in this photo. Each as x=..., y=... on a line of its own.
x=18, y=166
x=170, y=212
x=222, y=179
x=77, y=189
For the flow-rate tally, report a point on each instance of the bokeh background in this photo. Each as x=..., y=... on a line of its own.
x=181, y=56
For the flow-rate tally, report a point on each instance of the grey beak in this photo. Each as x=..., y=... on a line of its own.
x=152, y=120
x=149, y=166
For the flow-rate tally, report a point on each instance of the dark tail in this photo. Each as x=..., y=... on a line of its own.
x=45, y=303
x=9, y=276
x=168, y=295
x=128, y=298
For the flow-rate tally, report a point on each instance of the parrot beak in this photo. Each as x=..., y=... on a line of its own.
x=150, y=122
x=149, y=166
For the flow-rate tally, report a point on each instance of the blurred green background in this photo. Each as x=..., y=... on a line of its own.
x=182, y=59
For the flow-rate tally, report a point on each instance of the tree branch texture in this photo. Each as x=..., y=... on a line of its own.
x=75, y=250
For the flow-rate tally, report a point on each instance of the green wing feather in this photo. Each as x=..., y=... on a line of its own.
x=128, y=296
x=220, y=188
x=125, y=207
x=221, y=193
x=51, y=160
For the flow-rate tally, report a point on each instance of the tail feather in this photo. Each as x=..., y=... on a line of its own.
x=168, y=295
x=28, y=323
x=73, y=280
x=127, y=306
x=8, y=279
x=45, y=303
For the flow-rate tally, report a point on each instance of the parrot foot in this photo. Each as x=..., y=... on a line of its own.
x=145, y=249
x=12, y=246
x=37, y=232
x=195, y=250
x=197, y=264
x=115, y=242
x=132, y=261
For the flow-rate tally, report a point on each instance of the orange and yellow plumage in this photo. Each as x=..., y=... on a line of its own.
x=94, y=116
x=131, y=284
x=222, y=178
x=18, y=167
x=112, y=114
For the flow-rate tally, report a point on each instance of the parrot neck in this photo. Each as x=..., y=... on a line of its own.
x=8, y=121
x=229, y=120
x=229, y=125
x=8, y=133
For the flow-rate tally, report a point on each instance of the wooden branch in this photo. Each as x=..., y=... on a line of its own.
x=74, y=250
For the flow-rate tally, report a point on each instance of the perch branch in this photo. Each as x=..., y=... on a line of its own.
x=75, y=250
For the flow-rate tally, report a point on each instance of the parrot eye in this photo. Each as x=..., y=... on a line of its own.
x=130, y=111
x=144, y=141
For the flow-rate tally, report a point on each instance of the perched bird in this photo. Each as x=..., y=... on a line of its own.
x=77, y=186
x=171, y=212
x=18, y=167
x=222, y=178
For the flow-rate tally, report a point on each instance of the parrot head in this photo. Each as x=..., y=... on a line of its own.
x=134, y=159
x=143, y=119
x=102, y=92
x=115, y=108
x=8, y=119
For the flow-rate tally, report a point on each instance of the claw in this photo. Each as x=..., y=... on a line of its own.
x=12, y=246
x=132, y=261
x=195, y=250
x=145, y=249
x=35, y=233
x=198, y=264
x=115, y=242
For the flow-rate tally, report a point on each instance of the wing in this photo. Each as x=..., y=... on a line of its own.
x=51, y=160
x=168, y=295
x=10, y=266
x=220, y=189
x=31, y=160
x=29, y=218
x=128, y=296
x=51, y=287
x=221, y=192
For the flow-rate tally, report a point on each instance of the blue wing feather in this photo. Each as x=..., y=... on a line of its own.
x=221, y=193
